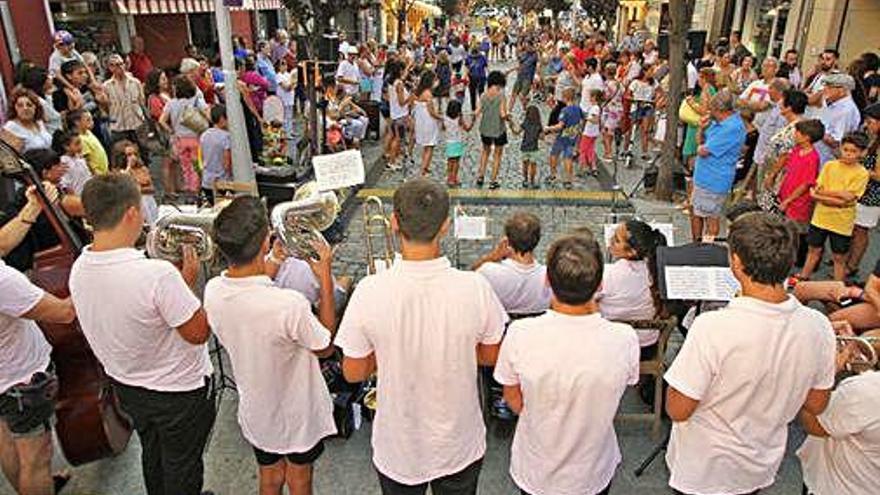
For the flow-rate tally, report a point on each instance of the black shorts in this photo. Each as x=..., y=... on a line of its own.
x=30, y=414
x=839, y=243
x=494, y=141
x=268, y=458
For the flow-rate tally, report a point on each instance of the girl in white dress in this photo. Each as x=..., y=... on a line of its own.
x=427, y=120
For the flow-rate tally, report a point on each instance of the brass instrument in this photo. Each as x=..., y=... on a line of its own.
x=375, y=224
x=167, y=237
x=865, y=355
x=298, y=223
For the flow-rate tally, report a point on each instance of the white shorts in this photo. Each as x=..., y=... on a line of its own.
x=867, y=216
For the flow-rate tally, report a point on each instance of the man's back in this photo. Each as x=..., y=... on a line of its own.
x=750, y=366
x=424, y=321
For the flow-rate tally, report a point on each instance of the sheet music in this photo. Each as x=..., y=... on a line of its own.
x=701, y=283
x=339, y=170
x=470, y=228
x=665, y=228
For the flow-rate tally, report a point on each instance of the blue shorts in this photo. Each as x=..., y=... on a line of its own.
x=455, y=149
x=642, y=110
x=562, y=146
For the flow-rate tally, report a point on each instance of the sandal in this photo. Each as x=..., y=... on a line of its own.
x=480, y=182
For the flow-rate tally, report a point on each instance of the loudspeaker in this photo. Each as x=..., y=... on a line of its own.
x=328, y=49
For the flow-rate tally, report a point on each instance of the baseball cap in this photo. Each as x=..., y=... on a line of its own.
x=63, y=37
x=840, y=80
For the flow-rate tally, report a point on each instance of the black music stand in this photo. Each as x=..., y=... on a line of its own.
x=689, y=255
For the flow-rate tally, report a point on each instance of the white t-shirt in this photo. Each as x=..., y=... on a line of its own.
x=76, y=175
x=349, y=71
x=284, y=406
x=129, y=308
x=642, y=91
x=572, y=371
x=751, y=366
x=848, y=461
x=424, y=320
x=23, y=348
x=588, y=84
x=397, y=108
x=693, y=75
x=591, y=122
x=522, y=289
x=284, y=79
x=625, y=294
x=757, y=91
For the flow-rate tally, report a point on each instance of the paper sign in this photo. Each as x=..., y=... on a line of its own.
x=339, y=170
x=700, y=283
x=665, y=228
x=470, y=228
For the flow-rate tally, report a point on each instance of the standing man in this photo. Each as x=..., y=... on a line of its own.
x=425, y=327
x=738, y=51
x=840, y=115
x=265, y=66
x=789, y=69
x=26, y=427
x=745, y=371
x=525, y=74
x=141, y=63
x=816, y=82
x=126, y=97
x=348, y=75
x=756, y=96
x=146, y=326
x=721, y=136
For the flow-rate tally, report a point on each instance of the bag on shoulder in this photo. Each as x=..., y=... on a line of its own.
x=688, y=114
x=194, y=120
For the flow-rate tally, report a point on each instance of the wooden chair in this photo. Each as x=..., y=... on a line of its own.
x=655, y=367
x=224, y=188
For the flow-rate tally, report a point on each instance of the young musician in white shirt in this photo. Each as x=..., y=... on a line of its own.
x=148, y=330
x=519, y=281
x=284, y=409
x=745, y=371
x=424, y=327
x=25, y=427
x=564, y=372
x=842, y=452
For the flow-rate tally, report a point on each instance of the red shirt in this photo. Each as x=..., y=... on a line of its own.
x=802, y=167
x=206, y=85
x=141, y=65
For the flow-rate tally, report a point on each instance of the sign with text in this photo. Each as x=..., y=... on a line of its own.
x=339, y=170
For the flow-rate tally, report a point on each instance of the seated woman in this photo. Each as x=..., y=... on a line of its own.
x=859, y=307
x=343, y=112
x=629, y=290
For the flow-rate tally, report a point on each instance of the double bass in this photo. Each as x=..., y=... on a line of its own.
x=90, y=423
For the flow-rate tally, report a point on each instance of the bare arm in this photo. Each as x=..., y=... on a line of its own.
x=356, y=370
x=51, y=309
x=326, y=302
x=196, y=330
x=817, y=401
x=811, y=424
x=797, y=193
x=513, y=397
x=679, y=407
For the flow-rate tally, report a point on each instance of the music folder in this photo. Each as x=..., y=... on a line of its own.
x=695, y=272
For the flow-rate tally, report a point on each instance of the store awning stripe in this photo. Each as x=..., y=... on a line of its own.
x=140, y=7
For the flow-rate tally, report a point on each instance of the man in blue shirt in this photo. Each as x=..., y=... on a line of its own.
x=264, y=65
x=721, y=138
x=528, y=65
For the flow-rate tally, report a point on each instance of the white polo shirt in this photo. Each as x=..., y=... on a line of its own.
x=284, y=406
x=129, y=308
x=522, y=289
x=848, y=461
x=572, y=371
x=751, y=366
x=625, y=294
x=424, y=320
x=23, y=348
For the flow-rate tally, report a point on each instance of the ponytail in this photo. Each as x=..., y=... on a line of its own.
x=645, y=240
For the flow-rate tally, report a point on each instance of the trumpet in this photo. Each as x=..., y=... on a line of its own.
x=865, y=355
x=298, y=223
x=375, y=224
x=166, y=238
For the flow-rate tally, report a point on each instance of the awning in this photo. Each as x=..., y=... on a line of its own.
x=139, y=7
x=426, y=9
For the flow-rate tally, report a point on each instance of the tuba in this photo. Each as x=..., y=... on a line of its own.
x=864, y=356
x=298, y=223
x=171, y=232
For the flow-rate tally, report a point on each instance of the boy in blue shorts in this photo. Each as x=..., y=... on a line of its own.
x=569, y=128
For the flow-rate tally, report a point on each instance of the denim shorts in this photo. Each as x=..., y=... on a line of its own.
x=564, y=147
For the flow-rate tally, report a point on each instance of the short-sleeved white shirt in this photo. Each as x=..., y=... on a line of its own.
x=625, y=294
x=848, y=461
x=572, y=371
x=129, y=308
x=751, y=366
x=591, y=82
x=284, y=406
x=23, y=348
x=350, y=71
x=522, y=289
x=76, y=175
x=424, y=320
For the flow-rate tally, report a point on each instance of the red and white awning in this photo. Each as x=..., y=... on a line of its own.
x=140, y=7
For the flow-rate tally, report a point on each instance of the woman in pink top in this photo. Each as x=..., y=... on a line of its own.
x=258, y=85
x=801, y=170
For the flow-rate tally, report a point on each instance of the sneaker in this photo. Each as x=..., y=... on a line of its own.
x=494, y=185
x=567, y=185
x=550, y=179
x=595, y=173
x=525, y=184
x=480, y=182
x=535, y=185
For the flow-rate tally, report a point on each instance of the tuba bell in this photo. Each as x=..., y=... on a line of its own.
x=864, y=355
x=166, y=238
x=298, y=223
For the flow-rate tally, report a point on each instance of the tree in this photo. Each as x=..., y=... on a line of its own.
x=601, y=10
x=451, y=8
x=680, y=12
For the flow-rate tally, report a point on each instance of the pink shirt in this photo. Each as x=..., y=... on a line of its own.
x=801, y=168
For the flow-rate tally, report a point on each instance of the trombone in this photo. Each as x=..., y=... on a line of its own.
x=865, y=355
x=376, y=224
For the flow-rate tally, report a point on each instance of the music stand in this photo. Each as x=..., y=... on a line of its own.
x=695, y=263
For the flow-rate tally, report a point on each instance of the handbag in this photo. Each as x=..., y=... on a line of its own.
x=194, y=120
x=688, y=114
x=151, y=137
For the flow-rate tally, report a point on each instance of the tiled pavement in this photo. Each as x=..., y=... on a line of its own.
x=345, y=468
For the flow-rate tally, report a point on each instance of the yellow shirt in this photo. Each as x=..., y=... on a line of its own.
x=838, y=176
x=93, y=152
